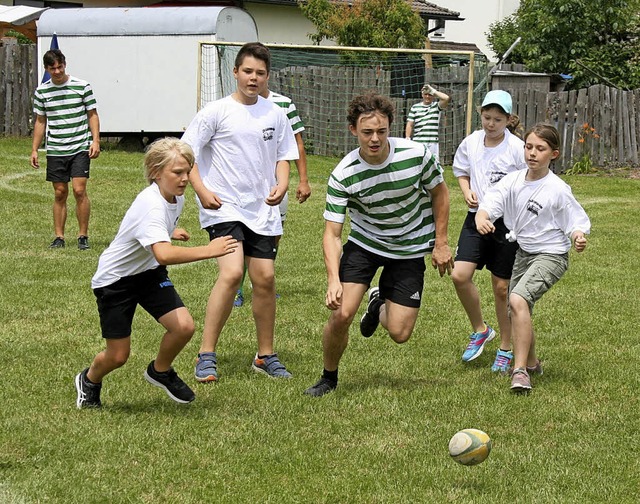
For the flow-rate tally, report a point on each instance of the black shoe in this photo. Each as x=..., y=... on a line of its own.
x=57, y=243
x=171, y=383
x=88, y=393
x=83, y=243
x=371, y=318
x=321, y=388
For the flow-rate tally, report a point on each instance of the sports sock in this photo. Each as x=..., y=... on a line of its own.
x=330, y=375
x=265, y=356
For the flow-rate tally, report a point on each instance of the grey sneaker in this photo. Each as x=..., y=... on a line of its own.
x=171, y=383
x=57, y=243
x=271, y=366
x=537, y=369
x=88, y=393
x=324, y=386
x=206, y=367
x=83, y=243
x=520, y=381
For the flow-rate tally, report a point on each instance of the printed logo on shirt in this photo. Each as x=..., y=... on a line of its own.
x=534, y=207
x=267, y=134
x=496, y=176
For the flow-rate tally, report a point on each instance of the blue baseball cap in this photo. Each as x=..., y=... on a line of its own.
x=500, y=98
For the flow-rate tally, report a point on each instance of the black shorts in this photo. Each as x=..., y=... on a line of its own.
x=64, y=168
x=253, y=244
x=401, y=280
x=492, y=250
x=117, y=302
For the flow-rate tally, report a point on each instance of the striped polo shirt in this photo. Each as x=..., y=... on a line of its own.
x=426, y=119
x=389, y=205
x=65, y=107
x=290, y=109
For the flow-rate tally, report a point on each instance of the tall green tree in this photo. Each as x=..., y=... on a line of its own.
x=593, y=40
x=366, y=23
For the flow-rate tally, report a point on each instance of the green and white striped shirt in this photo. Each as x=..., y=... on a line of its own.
x=290, y=109
x=65, y=108
x=389, y=204
x=426, y=120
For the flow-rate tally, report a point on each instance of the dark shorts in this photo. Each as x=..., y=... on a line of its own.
x=491, y=250
x=64, y=168
x=253, y=244
x=401, y=280
x=117, y=302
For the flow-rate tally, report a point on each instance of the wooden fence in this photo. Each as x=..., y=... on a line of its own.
x=322, y=95
x=18, y=80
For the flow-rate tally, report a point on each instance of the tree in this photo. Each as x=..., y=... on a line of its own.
x=593, y=41
x=366, y=23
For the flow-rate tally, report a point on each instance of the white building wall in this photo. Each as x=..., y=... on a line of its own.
x=478, y=15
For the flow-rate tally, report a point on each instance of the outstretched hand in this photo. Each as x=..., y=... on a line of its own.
x=222, y=246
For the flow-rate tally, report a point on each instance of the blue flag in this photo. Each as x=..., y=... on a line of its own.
x=54, y=45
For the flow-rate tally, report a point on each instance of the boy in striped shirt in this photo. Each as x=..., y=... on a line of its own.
x=398, y=205
x=66, y=107
x=423, y=122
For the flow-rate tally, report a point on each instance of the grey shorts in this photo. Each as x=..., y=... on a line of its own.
x=534, y=274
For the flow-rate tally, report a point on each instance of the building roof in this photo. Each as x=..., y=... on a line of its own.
x=445, y=45
x=425, y=9
x=20, y=18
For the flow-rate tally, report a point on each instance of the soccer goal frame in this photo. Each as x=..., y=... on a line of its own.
x=321, y=80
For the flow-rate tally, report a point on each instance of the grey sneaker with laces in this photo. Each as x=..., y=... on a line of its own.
x=520, y=381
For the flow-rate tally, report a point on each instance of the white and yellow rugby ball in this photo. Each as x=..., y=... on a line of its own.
x=470, y=446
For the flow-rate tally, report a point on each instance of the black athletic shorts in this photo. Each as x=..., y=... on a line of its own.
x=64, y=168
x=401, y=280
x=253, y=244
x=492, y=250
x=117, y=302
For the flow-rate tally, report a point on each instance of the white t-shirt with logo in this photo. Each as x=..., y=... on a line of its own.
x=485, y=166
x=237, y=147
x=150, y=219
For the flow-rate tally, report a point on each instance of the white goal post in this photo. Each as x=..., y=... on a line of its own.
x=322, y=80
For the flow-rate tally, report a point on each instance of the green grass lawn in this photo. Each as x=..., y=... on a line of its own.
x=380, y=438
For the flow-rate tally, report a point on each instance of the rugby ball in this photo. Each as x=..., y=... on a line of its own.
x=470, y=446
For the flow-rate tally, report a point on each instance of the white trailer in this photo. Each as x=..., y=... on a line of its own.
x=142, y=62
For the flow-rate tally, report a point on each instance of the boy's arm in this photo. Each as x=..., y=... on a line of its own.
x=304, y=189
x=39, y=127
x=441, y=256
x=166, y=253
x=280, y=189
x=332, y=249
x=408, y=130
x=208, y=199
x=94, y=127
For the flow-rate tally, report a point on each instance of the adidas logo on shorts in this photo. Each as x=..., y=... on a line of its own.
x=415, y=296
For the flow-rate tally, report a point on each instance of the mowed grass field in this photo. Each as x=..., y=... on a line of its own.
x=380, y=438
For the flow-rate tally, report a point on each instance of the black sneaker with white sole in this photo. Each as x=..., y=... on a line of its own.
x=171, y=383
x=88, y=392
x=371, y=318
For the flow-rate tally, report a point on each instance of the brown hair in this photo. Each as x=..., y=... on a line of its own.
x=162, y=153
x=52, y=57
x=368, y=103
x=547, y=133
x=257, y=50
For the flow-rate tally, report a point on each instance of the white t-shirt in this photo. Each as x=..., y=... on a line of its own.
x=485, y=166
x=237, y=147
x=542, y=213
x=150, y=219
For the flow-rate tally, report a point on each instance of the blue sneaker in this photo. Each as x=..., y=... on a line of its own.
x=502, y=363
x=206, y=367
x=271, y=366
x=476, y=345
x=239, y=300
